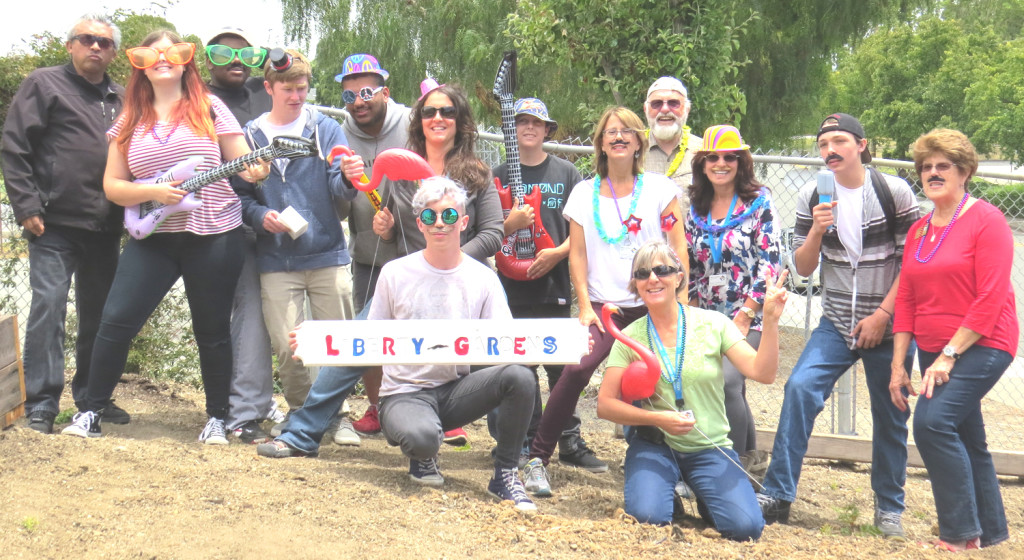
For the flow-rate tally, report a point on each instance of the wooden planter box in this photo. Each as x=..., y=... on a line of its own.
x=12, y=375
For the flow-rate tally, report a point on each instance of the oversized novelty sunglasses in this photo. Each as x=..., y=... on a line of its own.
x=222, y=55
x=88, y=40
x=729, y=158
x=366, y=94
x=447, y=112
x=673, y=104
x=449, y=216
x=661, y=271
x=146, y=57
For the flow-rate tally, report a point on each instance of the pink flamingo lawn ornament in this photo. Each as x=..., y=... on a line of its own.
x=396, y=164
x=640, y=377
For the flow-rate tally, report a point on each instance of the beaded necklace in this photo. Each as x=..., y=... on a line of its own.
x=163, y=141
x=732, y=222
x=638, y=184
x=672, y=375
x=945, y=232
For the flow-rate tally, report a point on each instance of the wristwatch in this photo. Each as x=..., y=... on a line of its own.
x=950, y=352
x=748, y=312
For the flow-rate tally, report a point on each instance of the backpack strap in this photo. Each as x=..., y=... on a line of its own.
x=885, y=198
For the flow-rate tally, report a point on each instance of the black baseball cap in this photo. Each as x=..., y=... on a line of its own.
x=845, y=123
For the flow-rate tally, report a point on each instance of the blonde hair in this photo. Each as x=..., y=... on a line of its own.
x=299, y=69
x=631, y=120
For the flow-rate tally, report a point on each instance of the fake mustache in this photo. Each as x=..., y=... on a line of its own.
x=936, y=179
x=619, y=143
x=833, y=157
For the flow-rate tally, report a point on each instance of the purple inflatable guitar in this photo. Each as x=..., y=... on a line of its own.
x=142, y=219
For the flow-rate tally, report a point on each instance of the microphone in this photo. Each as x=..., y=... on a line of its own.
x=826, y=189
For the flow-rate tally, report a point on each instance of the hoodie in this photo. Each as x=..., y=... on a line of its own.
x=311, y=187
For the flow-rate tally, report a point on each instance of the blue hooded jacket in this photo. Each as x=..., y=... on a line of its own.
x=309, y=185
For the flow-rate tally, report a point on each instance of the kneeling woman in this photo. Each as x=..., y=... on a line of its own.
x=664, y=445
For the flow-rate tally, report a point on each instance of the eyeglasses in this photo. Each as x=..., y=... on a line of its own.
x=625, y=132
x=673, y=104
x=222, y=55
x=449, y=216
x=661, y=271
x=366, y=94
x=729, y=158
x=88, y=40
x=447, y=112
x=938, y=167
x=146, y=57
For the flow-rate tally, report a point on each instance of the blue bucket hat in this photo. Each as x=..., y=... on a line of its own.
x=536, y=108
x=361, y=64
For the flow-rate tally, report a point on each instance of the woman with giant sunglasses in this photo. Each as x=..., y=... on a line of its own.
x=168, y=117
x=610, y=217
x=734, y=246
x=443, y=132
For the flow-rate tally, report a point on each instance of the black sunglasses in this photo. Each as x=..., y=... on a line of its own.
x=447, y=112
x=449, y=216
x=661, y=271
x=729, y=158
x=88, y=40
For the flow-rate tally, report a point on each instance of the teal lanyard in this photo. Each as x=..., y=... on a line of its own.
x=716, y=239
x=672, y=375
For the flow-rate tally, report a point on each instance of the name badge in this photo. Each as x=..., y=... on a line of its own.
x=718, y=280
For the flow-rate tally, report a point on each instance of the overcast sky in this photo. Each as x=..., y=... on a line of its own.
x=260, y=18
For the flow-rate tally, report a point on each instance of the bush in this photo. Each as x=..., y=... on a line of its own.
x=1008, y=197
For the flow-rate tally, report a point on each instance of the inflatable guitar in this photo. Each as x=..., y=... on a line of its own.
x=142, y=219
x=519, y=250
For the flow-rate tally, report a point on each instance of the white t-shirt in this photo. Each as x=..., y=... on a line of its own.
x=609, y=265
x=849, y=213
x=410, y=288
x=272, y=131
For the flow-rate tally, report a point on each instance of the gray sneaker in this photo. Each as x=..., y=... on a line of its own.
x=346, y=435
x=890, y=523
x=536, y=478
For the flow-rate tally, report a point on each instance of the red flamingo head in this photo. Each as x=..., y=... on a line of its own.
x=639, y=378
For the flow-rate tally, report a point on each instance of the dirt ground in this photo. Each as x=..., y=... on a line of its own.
x=149, y=490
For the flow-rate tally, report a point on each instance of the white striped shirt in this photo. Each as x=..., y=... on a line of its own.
x=154, y=151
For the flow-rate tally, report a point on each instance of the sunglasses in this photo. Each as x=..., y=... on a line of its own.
x=146, y=57
x=222, y=55
x=366, y=94
x=447, y=112
x=938, y=167
x=449, y=216
x=661, y=271
x=729, y=158
x=88, y=40
x=673, y=104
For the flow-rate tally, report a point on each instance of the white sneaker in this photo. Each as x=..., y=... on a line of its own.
x=213, y=432
x=346, y=434
x=535, y=475
x=84, y=424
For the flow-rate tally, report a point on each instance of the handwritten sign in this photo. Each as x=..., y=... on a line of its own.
x=485, y=342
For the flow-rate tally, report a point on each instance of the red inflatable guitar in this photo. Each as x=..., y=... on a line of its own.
x=519, y=250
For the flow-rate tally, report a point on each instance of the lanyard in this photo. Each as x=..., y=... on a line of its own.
x=673, y=375
x=715, y=240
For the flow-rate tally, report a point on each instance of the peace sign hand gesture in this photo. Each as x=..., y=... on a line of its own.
x=775, y=297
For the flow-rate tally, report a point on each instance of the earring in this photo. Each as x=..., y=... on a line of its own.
x=636, y=154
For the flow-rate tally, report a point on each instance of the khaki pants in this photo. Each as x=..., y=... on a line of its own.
x=284, y=295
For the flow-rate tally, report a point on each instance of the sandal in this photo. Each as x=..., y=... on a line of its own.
x=956, y=546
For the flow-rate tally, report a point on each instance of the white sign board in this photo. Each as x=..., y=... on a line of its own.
x=483, y=341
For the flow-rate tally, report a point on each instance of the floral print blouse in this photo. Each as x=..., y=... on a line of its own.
x=750, y=249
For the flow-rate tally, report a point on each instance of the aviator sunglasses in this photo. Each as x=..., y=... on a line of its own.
x=88, y=40
x=449, y=216
x=673, y=104
x=729, y=158
x=366, y=94
x=447, y=112
x=146, y=57
x=661, y=271
x=222, y=55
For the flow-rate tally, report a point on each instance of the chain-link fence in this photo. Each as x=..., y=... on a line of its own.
x=163, y=349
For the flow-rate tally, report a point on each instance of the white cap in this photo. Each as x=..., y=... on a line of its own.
x=667, y=83
x=231, y=31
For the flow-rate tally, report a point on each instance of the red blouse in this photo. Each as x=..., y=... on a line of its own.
x=966, y=284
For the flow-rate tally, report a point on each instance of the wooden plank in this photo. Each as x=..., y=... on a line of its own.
x=8, y=339
x=849, y=448
x=10, y=387
x=12, y=373
x=11, y=417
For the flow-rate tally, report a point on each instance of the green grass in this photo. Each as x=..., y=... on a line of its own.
x=30, y=524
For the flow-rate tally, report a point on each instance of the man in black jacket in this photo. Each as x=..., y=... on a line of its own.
x=54, y=153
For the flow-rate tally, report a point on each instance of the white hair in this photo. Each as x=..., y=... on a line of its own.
x=433, y=189
x=98, y=18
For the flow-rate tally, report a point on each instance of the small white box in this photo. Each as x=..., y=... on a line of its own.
x=296, y=224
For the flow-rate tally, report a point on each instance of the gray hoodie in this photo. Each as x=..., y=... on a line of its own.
x=394, y=134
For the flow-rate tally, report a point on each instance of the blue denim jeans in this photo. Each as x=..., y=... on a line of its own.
x=306, y=425
x=950, y=434
x=53, y=258
x=824, y=359
x=652, y=471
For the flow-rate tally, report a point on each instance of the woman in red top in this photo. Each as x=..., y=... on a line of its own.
x=955, y=300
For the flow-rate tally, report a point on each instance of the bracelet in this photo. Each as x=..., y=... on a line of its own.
x=891, y=316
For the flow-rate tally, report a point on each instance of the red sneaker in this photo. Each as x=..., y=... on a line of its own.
x=457, y=437
x=369, y=424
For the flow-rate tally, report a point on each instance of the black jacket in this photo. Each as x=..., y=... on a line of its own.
x=54, y=149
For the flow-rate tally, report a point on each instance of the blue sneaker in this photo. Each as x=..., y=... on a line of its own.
x=506, y=486
x=427, y=472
